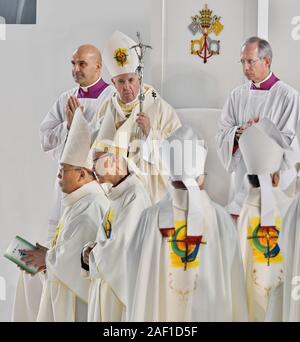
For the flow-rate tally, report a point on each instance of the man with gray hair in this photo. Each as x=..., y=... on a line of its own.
x=263, y=96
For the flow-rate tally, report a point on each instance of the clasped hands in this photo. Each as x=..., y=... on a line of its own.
x=242, y=128
x=73, y=103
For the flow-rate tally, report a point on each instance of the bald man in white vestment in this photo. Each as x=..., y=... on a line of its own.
x=91, y=91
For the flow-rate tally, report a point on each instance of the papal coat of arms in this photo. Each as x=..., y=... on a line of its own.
x=205, y=23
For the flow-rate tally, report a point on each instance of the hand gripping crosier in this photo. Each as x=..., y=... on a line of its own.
x=140, y=69
x=140, y=50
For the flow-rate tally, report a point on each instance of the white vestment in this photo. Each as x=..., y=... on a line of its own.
x=54, y=132
x=287, y=303
x=263, y=265
x=27, y=298
x=281, y=104
x=144, y=151
x=294, y=187
x=65, y=292
x=212, y=286
x=108, y=296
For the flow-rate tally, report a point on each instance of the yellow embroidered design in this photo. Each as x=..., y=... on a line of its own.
x=264, y=241
x=121, y=56
x=107, y=223
x=183, y=294
x=183, y=254
x=57, y=232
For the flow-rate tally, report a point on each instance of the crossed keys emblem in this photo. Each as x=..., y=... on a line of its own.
x=206, y=23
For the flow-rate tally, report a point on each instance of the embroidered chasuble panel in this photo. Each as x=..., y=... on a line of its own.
x=182, y=253
x=264, y=242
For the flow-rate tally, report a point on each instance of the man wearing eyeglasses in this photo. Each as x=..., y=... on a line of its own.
x=65, y=292
x=264, y=95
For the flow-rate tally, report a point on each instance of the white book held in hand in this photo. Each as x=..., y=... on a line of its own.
x=14, y=254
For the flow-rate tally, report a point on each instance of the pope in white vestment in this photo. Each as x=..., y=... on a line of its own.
x=263, y=96
x=121, y=113
x=187, y=264
x=260, y=221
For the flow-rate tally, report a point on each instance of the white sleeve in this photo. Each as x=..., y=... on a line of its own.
x=286, y=118
x=167, y=123
x=225, y=137
x=64, y=260
x=53, y=129
x=238, y=287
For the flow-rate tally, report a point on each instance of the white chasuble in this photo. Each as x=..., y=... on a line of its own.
x=109, y=265
x=186, y=279
x=262, y=256
x=286, y=305
x=65, y=291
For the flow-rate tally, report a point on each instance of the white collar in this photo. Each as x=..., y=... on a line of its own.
x=254, y=196
x=257, y=85
x=86, y=89
x=120, y=189
x=166, y=215
x=89, y=188
x=180, y=199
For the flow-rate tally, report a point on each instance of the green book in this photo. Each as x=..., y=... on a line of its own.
x=14, y=254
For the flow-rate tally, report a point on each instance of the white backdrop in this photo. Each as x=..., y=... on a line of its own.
x=35, y=69
x=284, y=35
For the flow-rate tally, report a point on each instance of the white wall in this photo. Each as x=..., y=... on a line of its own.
x=186, y=80
x=35, y=69
x=282, y=34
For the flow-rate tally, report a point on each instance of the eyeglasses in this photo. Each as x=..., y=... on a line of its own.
x=249, y=61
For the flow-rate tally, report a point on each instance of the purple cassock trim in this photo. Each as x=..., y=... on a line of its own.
x=93, y=92
x=266, y=85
